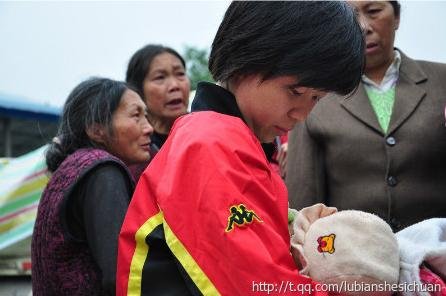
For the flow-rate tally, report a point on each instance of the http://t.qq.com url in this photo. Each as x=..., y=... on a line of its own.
x=282, y=287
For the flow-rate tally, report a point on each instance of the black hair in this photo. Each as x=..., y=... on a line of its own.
x=396, y=8
x=319, y=42
x=139, y=64
x=93, y=101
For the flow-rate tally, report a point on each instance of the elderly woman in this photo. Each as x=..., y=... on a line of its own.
x=103, y=130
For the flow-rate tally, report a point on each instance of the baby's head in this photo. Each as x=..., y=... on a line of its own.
x=353, y=250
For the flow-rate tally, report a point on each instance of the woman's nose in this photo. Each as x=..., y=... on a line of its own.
x=147, y=127
x=173, y=83
x=365, y=24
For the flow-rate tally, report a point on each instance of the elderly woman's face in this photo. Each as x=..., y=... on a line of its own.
x=272, y=107
x=130, y=140
x=166, y=89
x=380, y=24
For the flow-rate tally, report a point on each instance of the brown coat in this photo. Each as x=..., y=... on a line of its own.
x=341, y=156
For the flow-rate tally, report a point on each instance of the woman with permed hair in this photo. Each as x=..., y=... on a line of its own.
x=209, y=216
x=103, y=129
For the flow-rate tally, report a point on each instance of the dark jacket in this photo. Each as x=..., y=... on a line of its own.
x=341, y=156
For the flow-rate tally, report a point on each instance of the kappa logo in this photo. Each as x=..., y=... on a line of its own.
x=241, y=216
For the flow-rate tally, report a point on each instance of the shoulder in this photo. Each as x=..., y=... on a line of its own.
x=106, y=163
x=208, y=128
x=81, y=163
x=105, y=176
x=429, y=75
x=435, y=72
x=432, y=66
x=420, y=71
x=327, y=110
x=87, y=158
x=108, y=171
x=208, y=137
x=209, y=121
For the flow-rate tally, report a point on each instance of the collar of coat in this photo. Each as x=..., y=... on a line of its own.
x=411, y=69
x=409, y=93
x=211, y=97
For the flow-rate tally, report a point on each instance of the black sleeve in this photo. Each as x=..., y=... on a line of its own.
x=99, y=207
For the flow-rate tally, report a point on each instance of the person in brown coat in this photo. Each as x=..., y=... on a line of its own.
x=383, y=149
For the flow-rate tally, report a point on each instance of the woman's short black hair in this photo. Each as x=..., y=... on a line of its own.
x=396, y=8
x=139, y=64
x=320, y=42
x=93, y=101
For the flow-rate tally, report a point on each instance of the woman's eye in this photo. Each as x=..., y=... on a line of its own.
x=295, y=92
x=180, y=75
x=374, y=11
x=159, y=77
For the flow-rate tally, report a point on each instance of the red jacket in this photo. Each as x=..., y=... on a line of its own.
x=222, y=209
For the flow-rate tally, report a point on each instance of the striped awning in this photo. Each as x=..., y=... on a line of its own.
x=22, y=181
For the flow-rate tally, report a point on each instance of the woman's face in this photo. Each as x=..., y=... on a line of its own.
x=380, y=24
x=166, y=90
x=130, y=140
x=272, y=107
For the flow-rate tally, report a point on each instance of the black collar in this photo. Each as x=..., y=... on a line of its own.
x=211, y=97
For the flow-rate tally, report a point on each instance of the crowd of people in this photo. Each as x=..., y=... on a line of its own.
x=145, y=198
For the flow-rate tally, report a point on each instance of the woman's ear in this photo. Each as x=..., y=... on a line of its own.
x=96, y=133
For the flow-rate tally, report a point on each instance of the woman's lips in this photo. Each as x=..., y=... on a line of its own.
x=282, y=131
x=146, y=146
x=175, y=104
x=371, y=48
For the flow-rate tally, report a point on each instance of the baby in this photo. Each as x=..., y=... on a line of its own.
x=350, y=252
x=358, y=254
